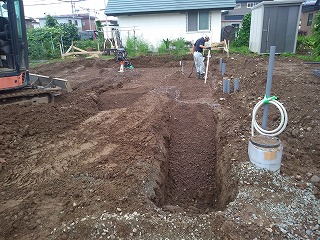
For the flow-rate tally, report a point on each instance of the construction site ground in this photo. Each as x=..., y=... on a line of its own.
x=153, y=154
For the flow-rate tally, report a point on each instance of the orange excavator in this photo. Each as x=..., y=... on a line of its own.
x=16, y=83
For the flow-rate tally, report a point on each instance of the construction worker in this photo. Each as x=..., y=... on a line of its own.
x=198, y=55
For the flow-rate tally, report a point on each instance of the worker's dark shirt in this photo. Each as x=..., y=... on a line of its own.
x=197, y=44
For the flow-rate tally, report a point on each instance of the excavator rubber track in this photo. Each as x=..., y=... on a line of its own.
x=34, y=96
x=42, y=89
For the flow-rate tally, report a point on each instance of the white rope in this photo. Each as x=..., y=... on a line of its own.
x=274, y=132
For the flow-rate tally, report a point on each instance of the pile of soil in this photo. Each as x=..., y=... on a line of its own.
x=152, y=153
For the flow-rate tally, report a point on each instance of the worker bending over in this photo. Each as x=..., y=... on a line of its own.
x=198, y=55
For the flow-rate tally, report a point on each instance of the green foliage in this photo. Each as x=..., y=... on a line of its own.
x=136, y=46
x=305, y=44
x=100, y=31
x=177, y=46
x=304, y=57
x=88, y=45
x=316, y=33
x=51, y=21
x=42, y=43
x=309, y=45
x=69, y=33
x=163, y=48
x=309, y=58
x=244, y=32
x=243, y=50
x=45, y=42
x=166, y=43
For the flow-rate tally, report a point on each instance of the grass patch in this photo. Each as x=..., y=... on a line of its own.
x=307, y=58
x=242, y=50
x=34, y=63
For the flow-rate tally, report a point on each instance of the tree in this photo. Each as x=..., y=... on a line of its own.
x=316, y=33
x=45, y=42
x=100, y=31
x=244, y=32
x=51, y=21
x=69, y=33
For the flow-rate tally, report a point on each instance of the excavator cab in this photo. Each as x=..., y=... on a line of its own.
x=16, y=84
x=13, y=46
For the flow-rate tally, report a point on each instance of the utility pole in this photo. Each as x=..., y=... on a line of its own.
x=73, y=5
x=88, y=10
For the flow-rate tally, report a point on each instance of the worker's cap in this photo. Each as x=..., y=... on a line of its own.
x=206, y=37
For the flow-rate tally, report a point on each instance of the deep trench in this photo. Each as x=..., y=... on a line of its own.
x=196, y=179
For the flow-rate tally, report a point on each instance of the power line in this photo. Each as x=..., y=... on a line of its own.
x=44, y=2
x=40, y=3
x=73, y=4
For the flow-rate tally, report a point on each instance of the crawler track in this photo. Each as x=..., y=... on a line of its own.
x=29, y=95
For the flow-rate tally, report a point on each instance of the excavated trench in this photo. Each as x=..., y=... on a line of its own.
x=196, y=179
x=192, y=175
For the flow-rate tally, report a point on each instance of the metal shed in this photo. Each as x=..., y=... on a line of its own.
x=275, y=23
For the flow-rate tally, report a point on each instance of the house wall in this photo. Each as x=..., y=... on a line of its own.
x=86, y=25
x=304, y=21
x=155, y=27
x=42, y=22
x=29, y=23
x=241, y=11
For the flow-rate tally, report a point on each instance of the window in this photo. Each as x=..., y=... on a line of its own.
x=251, y=4
x=238, y=6
x=70, y=21
x=76, y=22
x=198, y=21
x=310, y=17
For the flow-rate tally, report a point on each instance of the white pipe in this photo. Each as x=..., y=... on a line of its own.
x=274, y=132
x=209, y=55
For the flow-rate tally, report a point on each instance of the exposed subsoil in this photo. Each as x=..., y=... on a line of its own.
x=153, y=154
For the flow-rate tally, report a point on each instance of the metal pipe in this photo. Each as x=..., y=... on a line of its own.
x=236, y=85
x=228, y=86
x=224, y=85
x=268, y=87
x=220, y=65
x=223, y=69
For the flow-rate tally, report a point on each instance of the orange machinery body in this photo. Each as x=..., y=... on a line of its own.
x=12, y=82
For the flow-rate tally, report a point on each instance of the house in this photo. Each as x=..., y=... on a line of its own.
x=309, y=10
x=168, y=19
x=88, y=22
x=82, y=21
x=30, y=22
x=234, y=16
x=72, y=19
x=109, y=21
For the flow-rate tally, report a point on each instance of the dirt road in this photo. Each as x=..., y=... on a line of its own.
x=153, y=154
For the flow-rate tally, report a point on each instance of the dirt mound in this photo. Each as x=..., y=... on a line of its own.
x=151, y=154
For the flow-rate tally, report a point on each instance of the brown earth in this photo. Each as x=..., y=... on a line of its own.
x=153, y=154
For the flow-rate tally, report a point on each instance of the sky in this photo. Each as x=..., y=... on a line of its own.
x=41, y=8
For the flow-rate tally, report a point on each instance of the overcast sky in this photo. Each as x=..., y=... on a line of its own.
x=39, y=8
